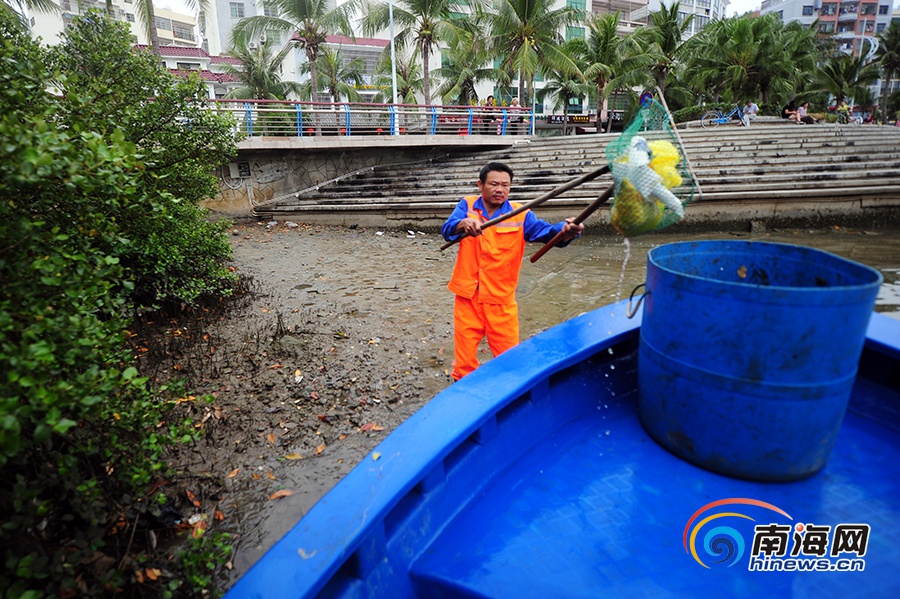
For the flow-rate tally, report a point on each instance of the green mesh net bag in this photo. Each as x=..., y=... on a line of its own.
x=653, y=178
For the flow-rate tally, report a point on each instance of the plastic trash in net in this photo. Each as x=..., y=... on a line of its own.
x=653, y=179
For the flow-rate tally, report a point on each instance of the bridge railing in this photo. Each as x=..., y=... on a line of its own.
x=275, y=118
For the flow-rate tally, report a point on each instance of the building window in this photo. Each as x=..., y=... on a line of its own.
x=828, y=9
x=237, y=10
x=576, y=4
x=884, y=10
x=188, y=66
x=129, y=17
x=270, y=12
x=162, y=23
x=868, y=9
x=574, y=33
x=184, y=32
x=703, y=3
x=700, y=22
x=807, y=11
x=826, y=27
x=880, y=27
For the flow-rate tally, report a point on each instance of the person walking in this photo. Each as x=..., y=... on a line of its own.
x=488, y=262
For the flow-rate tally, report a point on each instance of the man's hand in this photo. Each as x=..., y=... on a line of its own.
x=571, y=230
x=469, y=226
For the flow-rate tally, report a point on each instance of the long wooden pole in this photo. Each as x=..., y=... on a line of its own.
x=537, y=201
x=604, y=197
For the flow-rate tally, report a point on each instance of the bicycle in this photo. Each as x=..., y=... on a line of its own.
x=714, y=118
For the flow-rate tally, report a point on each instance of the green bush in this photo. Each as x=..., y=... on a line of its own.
x=98, y=218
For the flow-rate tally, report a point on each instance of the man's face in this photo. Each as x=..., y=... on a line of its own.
x=495, y=189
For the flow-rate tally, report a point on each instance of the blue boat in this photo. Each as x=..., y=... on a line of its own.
x=535, y=477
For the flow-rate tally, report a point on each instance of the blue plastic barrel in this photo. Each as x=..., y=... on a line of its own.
x=748, y=353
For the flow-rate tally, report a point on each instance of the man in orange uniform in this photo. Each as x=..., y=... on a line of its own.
x=487, y=266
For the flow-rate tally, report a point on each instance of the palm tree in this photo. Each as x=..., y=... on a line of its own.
x=259, y=71
x=423, y=23
x=565, y=87
x=340, y=79
x=606, y=59
x=311, y=20
x=888, y=54
x=17, y=9
x=464, y=63
x=664, y=39
x=786, y=56
x=409, y=78
x=844, y=76
x=526, y=33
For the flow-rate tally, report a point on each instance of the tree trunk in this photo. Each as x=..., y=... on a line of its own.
x=312, y=54
x=566, y=118
x=426, y=55
x=154, y=36
x=884, y=95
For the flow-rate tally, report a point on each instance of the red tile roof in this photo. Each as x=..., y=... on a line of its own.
x=176, y=51
x=222, y=59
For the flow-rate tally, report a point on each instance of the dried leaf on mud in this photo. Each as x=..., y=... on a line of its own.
x=153, y=573
x=219, y=516
x=193, y=498
x=271, y=438
x=320, y=448
x=270, y=475
x=293, y=456
x=233, y=473
x=280, y=494
x=275, y=366
x=199, y=529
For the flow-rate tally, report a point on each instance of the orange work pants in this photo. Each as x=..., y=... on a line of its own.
x=472, y=320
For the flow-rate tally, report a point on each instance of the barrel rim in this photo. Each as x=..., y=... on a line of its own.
x=670, y=247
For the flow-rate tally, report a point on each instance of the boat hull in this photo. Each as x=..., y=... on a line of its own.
x=533, y=477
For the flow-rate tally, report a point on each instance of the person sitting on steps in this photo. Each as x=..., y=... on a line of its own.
x=803, y=116
x=790, y=111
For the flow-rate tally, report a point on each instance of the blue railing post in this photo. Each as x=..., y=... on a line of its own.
x=347, y=118
x=433, y=129
x=248, y=118
x=471, y=119
x=392, y=110
x=503, y=123
x=531, y=120
x=299, y=112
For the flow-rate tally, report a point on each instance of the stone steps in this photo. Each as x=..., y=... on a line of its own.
x=756, y=165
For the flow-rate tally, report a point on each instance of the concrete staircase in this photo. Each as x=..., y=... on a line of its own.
x=772, y=172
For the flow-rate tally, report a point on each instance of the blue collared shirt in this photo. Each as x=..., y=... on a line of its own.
x=535, y=229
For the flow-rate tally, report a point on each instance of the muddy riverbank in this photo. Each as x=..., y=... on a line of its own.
x=343, y=333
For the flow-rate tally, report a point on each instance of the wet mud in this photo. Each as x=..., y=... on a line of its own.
x=340, y=334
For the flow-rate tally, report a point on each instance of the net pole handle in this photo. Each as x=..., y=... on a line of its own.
x=537, y=201
x=602, y=199
x=674, y=127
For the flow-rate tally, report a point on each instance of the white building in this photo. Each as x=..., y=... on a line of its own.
x=704, y=11
x=173, y=28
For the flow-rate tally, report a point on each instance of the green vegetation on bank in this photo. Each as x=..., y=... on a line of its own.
x=100, y=179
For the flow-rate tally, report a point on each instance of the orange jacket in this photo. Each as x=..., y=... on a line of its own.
x=490, y=262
